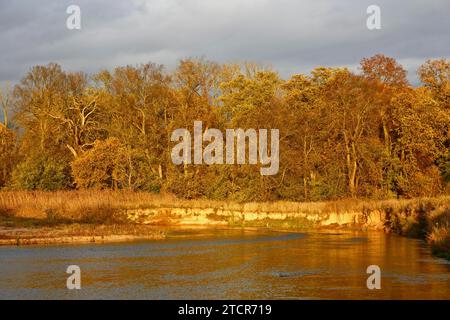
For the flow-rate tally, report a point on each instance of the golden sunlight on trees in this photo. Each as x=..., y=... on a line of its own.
x=7, y=138
x=342, y=134
x=7, y=151
x=435, y=75
x=99, y=167
x=384, y=69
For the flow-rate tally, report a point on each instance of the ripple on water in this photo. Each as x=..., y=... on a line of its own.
x=292, y=274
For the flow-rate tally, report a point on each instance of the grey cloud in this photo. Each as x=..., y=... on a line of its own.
x=291, y=35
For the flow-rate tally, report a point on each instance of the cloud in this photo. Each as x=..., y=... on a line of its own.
x=291, y=35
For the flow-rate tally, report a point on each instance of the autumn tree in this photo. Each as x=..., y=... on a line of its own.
x=5, y=105
x=302, y=120
x=39, y=93
x=7, y=154
x=40, y=100
x=384, y=69
x=421, y=134
x=78, y=116
x=392, y=78
x=195, y=83
x=7, y=138
x=352, y=101
x=139, y=103
x=435, y=75
x=251, y=98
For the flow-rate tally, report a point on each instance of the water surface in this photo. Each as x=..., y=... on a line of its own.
x=229, y=264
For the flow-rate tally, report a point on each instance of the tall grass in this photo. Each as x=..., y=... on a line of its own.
x=72, y=204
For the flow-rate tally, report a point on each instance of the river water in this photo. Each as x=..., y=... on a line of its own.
x=229, y=264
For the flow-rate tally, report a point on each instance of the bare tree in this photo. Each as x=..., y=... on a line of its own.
x=79, y=122
x=5, y=103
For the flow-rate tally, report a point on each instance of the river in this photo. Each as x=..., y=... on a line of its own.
x=230, y=264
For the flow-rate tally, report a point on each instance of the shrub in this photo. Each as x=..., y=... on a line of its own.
x=112, y=165
x=42, y=173
x=97, y=167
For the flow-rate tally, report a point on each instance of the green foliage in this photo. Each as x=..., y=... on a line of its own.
x=42, y=173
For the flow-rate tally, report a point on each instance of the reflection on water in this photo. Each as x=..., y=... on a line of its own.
x=230, y=264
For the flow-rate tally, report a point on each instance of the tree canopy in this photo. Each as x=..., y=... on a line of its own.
x=342, y=134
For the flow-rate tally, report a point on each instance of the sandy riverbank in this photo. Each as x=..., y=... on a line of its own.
x=77, y=233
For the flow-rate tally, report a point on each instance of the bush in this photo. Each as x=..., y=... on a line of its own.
x=97, y=168
x=42, y=173
x=112, y=165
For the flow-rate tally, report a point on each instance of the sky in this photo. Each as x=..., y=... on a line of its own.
x=292, y=36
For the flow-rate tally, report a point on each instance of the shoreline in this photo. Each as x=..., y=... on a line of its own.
x=35, y=236
x=106, y=216
x=27, y=238
x=77, y=234
x=74, y=240
x=23, y=237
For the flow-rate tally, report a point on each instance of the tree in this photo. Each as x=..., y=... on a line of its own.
x=37, y=95
x=352, y=101
x=139, y=104
x=421, y=133
x=198, y=77
x=341, y=134
x=251, y=98
x=435, y=75
x=384, y=69
x=195, y=84
x=5, y=105
x=7, y=139
x=7, y=154
x=303, y=123
x=78, y=116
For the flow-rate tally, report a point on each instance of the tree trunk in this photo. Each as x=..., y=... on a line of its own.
x=160, y=171
x=352, y=177
x=387, y=138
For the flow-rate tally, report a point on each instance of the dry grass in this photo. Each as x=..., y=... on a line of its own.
x=439, y=235
x=439, y=239
x=76, y=205
x=71, y=217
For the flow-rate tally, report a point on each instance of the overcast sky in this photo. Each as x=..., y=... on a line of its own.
x=291, y=35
